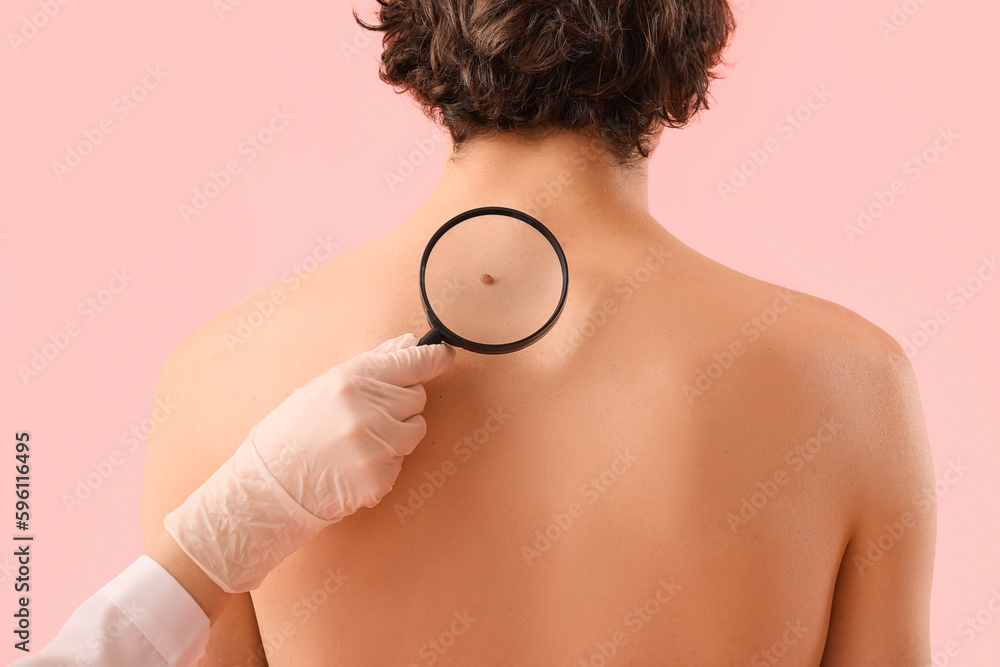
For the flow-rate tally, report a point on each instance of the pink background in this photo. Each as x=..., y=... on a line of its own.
x=323, y=176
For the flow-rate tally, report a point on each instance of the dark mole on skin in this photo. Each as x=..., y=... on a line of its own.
x=486, y=279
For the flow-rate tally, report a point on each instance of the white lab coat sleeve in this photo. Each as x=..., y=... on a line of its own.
x=143, y=617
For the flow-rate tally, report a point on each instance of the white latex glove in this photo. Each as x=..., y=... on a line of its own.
x=333, y=446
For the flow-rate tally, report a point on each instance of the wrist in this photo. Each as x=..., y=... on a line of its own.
x=240, y=523
x=208, y=594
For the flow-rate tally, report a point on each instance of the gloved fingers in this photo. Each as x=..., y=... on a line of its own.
x=402, y=340
x=368, y=488
x=322, y=389
x=398, y=402
x=413, y=365
x=403, y=436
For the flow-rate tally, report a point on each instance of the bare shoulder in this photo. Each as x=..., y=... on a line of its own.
x=882, y=477
x=864, y=364
x=204, y=378
x=823, y=334
x=813, y=355
x=219, y=380
x=834, y=361
x=806, y=356
x=866, y=369
x=226, y=374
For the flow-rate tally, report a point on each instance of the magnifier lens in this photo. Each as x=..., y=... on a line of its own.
x=493, y=279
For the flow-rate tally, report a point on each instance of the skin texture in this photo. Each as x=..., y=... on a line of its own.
x=596, y=437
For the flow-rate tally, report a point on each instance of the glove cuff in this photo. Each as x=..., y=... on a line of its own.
x=241, y=523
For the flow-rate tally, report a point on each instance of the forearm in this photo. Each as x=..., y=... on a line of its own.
x=209, y=596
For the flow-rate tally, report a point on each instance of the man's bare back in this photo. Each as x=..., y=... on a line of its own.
x=674, y=475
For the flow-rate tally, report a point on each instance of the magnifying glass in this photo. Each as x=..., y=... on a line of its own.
x=493, y=280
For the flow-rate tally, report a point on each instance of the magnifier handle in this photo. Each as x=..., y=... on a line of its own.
x=431, y=337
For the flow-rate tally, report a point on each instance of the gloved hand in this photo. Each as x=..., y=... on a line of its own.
x=334, y=445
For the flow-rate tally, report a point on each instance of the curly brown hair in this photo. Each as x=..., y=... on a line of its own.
x=618, y=70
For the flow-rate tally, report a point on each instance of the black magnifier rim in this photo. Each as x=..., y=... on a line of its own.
x=453, y=338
